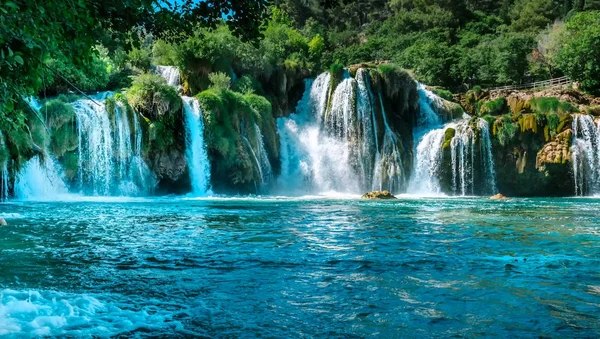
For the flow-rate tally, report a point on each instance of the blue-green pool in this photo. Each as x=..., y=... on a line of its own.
x=301, y=268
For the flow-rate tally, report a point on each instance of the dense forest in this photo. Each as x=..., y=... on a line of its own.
x=455, y=44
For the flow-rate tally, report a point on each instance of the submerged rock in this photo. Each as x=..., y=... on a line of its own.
x=3, y=222
x=378, y=195
x=498, y=197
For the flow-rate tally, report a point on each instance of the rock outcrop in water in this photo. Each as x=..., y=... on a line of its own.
x=379, y=195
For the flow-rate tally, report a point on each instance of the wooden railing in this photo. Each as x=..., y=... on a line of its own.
x=561, y=82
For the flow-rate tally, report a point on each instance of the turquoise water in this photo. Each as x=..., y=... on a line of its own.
x=288, y=268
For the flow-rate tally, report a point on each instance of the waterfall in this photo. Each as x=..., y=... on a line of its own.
x=39, y=180
x=170, y=74
x=265, y=164
x=3, y=169
x=427, y=100
x=196, y=154
x=586, y=154
x=109, y=162
x=488, y=168
x=428, y=161
x=315, y=155
x=367, y=131
x=389, y=170
x=462, y=148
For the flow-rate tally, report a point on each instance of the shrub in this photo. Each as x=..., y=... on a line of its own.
x=150, y=95
x=443, y=93
x=505, y=130
x=547, y=105
x=492, y=107
x=219, y=81
x=247, y=85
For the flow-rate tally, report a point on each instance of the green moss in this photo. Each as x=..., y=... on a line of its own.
x=448, y=135
x=229, y=118
x=505, y=130
x=547, y=105
x=490, y=119
x=443, y=93
x=57, y=112
x=70, y=164
x=492, y=107
x=150, y=95
x=64, y=140
x=528, y=122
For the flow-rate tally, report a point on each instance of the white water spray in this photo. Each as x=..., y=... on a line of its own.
x=39, y=180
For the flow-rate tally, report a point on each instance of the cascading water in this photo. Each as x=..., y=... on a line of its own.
x=331, y=143
x=39, y=180
x=312, y=160
x=196, y=154
x=265, y=164
x=586, y=155
x=462, y=150
x=109, y=162
x=170, y=74
x=428, y=138
x=488, y=168
x=367, y=130
x=389, y=170
x=3, y=169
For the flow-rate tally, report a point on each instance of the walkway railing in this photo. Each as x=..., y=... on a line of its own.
x=561, y=82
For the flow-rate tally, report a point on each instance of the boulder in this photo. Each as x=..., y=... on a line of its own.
x=379, y=195
x=498, y=197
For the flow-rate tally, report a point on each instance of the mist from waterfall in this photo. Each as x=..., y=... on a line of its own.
x=110, y=160
x=586, y=154
x=196, y=154
x=40, y=180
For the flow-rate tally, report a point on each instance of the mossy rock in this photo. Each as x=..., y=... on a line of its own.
x=528, y=122
x=230, y=120
x=379, y=195
x=150, y=95
x=448, y=136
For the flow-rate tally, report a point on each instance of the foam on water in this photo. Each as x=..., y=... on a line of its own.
x=25, y=314
x=40, y=180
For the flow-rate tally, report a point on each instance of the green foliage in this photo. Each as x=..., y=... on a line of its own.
x=247, y=85
x=139, y=59
x=229, y=117
x=579, y=56
x=505, y=130
x=150, y=95
x=443, y=93
x=493, y=107
x=219, y=81
x=547, y=105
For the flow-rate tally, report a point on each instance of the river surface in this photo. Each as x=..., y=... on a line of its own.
x=301, y=268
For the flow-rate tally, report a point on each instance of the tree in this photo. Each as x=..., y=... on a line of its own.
x=32, y=33
x=579, y=57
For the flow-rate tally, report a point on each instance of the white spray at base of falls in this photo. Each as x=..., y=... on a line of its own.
x=109, y=162
x=313, y=160
x=586, y=155
x=40, y=181
x=196, y=154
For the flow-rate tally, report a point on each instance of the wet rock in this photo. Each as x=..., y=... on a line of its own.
x=499, y=197
x=556, y=152
x=378, y=195
x=3, y=222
